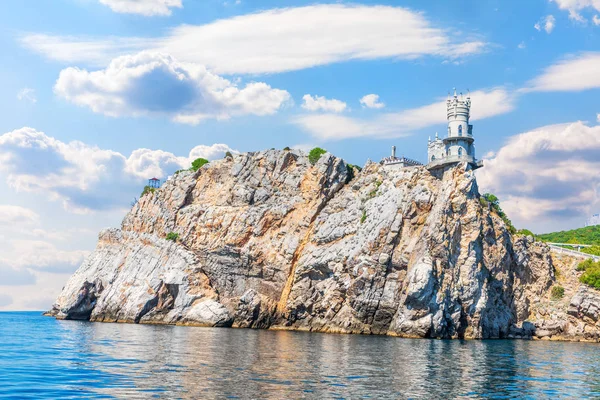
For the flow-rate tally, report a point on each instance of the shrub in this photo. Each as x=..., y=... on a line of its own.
x=495, y=204
x=591, y=274
x=557, y=292
x=315, y=154
x=286, y=148
x=594, y=250
x=172, y=236
x=198, y=163
x=525, y=232
x=350, y=169
x=147, y=189
x=228, y=154
x=584, y=265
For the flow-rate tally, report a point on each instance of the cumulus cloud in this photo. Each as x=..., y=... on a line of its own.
x=143, y=7
x=371, y=101
x=43, y=256
x=596, y=20
x=320, y=103
x=547, y=24
x=157, y=84
x=547, y=173
x=280, y=40
x=17, y=215
x=574, y=73
x=336, y=127
x=86, y=178
x=27, y=94
x=575, y=6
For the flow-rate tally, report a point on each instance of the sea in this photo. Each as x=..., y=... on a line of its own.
x=42, y=358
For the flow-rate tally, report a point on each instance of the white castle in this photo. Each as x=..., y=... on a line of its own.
x=456, y=147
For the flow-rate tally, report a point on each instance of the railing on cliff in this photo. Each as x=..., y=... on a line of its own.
x=574, y=253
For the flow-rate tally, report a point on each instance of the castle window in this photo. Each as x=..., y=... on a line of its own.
x=432, y=158
x=460, y=151
x=460, y=130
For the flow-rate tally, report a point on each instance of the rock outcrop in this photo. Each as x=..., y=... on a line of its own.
x=267, y=240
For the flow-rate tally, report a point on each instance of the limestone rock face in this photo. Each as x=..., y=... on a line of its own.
x=267, y=240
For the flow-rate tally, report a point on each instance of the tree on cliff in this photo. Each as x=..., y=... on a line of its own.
x=494, y=203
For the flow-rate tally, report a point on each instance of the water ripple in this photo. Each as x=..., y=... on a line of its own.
x=44, y=358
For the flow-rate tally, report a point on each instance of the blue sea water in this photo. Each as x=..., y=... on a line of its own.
x=41, y=357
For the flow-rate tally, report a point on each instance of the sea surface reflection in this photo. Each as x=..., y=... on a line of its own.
x=44, y=358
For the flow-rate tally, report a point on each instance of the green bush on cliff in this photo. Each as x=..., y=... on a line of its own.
x=147, y=189
x=591, y=273
x=494, y=203
x=172, y=236
x=315, y=154
x=228, y=154
x=350, y=169
x=198, y=163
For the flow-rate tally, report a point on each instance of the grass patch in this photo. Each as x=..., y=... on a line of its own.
x=557, y=292
x=172, y=236
x=363, y=218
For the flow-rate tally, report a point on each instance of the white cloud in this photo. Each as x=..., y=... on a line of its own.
x=575, y=73
x=320, y=103
x=336, y=127
x=143, y=7
x=157, y=84
x=547, y=23
x=86, y=178
x=596, y=20
x=280, y=40
x=598, y=117
x=17, y=215
x=575, y=6
x=27, y=94
x=546, y=174
x=44, y=256
x=371, y=101
x=522, y=45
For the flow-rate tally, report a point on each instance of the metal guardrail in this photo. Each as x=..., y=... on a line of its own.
x=570, y=244
x=574, y=253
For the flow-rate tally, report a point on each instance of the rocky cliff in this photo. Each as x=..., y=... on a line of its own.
x=267, y=240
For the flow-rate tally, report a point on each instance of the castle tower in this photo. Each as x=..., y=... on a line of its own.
x=457, y=146
x=459, y=142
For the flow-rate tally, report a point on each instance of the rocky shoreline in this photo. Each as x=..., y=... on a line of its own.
x=268, y=240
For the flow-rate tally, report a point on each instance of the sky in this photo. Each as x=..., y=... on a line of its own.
x=100, y=95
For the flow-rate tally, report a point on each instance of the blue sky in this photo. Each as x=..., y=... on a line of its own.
x=98, y=95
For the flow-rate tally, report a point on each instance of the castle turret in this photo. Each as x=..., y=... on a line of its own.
x=457, y=146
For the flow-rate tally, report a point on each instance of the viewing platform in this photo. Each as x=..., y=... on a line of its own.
x=448, y=160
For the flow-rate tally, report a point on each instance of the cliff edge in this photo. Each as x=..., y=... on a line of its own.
x=267, y=240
